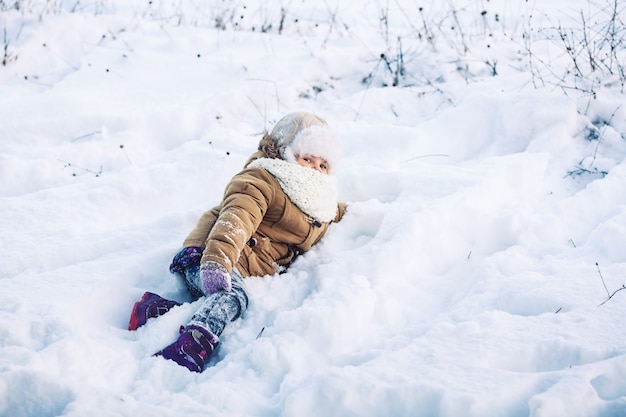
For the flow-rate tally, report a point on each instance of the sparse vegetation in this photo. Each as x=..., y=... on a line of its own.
x=591, y=50
x=579, y=54
x=590, y=46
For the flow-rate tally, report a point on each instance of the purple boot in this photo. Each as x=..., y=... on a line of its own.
x=150, y=305
x=193, y=348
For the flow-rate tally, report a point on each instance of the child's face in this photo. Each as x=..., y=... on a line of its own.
x=315, y=162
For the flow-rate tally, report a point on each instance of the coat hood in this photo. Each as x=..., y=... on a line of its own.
x=302, y=133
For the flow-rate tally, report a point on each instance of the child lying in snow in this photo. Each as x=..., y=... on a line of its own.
x=278, y=207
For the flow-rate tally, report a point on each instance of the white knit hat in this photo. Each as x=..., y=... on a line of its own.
x=304, y=133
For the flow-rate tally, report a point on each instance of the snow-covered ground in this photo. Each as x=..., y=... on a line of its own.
x=486, y=221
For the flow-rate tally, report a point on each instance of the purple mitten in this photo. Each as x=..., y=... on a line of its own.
x=214, y=278
x=184, y=258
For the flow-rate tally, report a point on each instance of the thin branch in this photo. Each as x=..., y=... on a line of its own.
x=86, y=135
x=602, y=279
x=261, y=332
x=91, y=171
x=623, y=287
x=425, y=156
x=370, y=79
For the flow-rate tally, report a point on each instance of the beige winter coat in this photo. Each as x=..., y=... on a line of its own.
x=256, y=228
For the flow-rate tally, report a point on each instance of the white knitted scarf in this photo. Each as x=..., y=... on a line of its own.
x=311, y=191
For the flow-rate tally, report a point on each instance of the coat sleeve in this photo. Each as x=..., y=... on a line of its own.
x=246, y=200
x=341, y=209
x=200, y=233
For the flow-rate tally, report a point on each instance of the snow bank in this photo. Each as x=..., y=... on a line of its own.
x=462, y=280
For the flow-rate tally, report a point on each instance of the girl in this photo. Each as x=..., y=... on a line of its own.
x=278, y=207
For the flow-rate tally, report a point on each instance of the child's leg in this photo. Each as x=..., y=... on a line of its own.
x=200, y=337
x=191, y=278
x=222, y=307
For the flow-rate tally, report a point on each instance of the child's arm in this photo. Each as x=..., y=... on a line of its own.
x=246, y=200
x=341, y=209
x=200, y=233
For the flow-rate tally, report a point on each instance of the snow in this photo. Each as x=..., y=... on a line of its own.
x=486, y=219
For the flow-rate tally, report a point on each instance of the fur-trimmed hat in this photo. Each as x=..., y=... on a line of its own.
x=302, y=133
